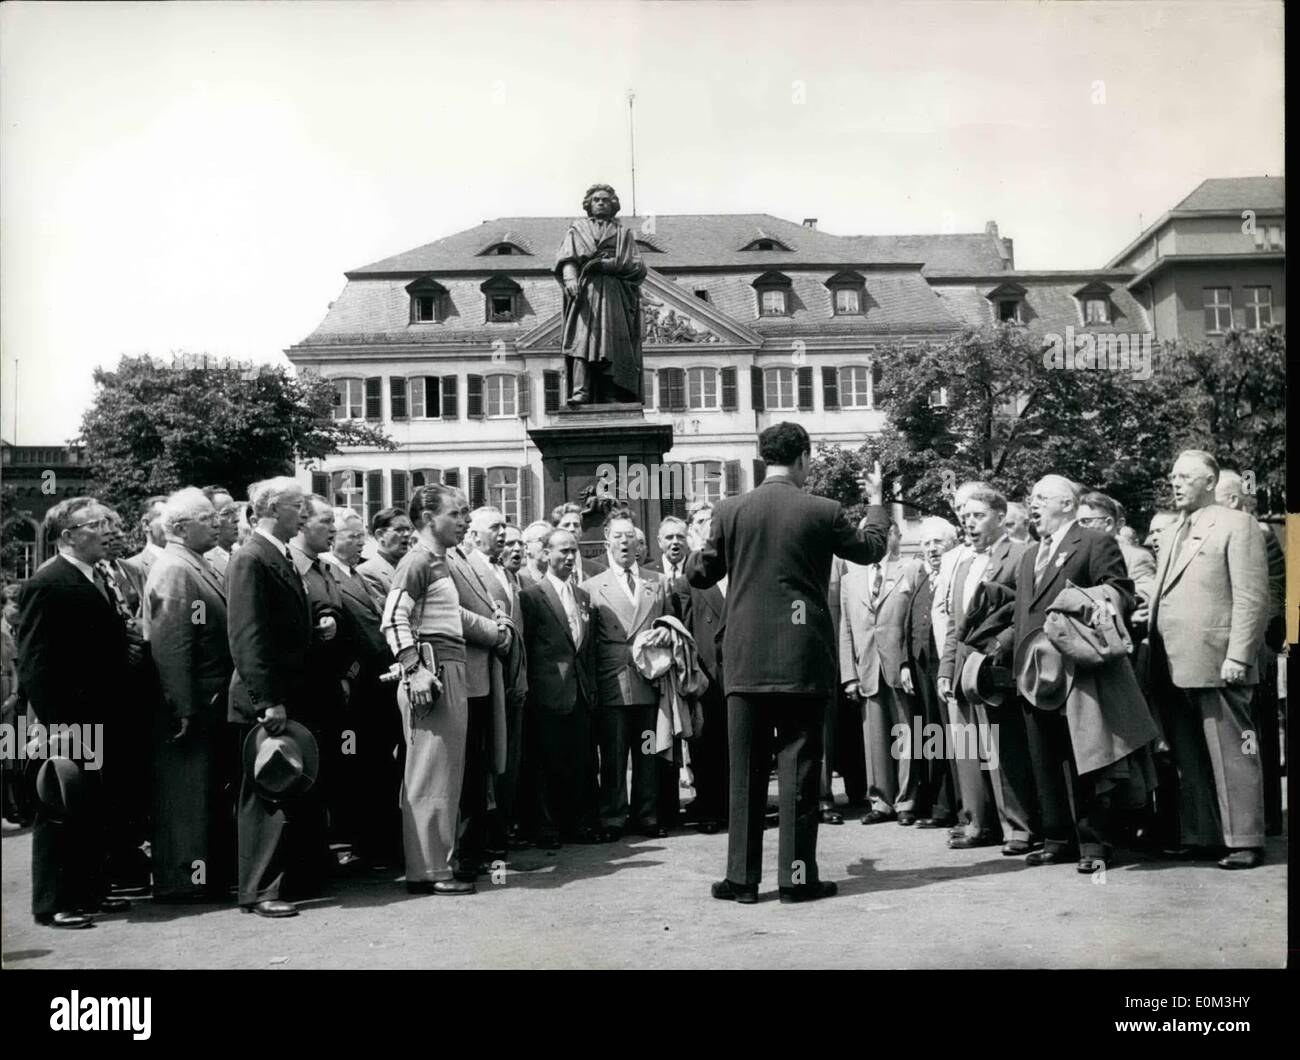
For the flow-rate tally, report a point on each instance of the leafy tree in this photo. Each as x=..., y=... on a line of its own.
x=836, y=472
x=153, y=428
x=14, y=530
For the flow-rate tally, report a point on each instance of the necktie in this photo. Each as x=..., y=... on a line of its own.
x=1175, y=548
x=631, y=583
x=1040, y=561
x=877, y=581
x=571, y=610
x=104, y=582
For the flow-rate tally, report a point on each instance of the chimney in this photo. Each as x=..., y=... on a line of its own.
x=991, y=229
x=810, y=222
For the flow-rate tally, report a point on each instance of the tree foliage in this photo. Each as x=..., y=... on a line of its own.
x=153, y=428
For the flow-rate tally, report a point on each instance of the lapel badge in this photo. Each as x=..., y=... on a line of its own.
x=1060, y=560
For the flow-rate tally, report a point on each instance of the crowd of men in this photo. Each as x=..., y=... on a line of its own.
x=286, y=695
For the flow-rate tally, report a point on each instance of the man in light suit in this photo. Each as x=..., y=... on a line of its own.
x=185, y=624
x=874, y=602
x=561, y=694
x=1208, y=614
x=72, y=656
x=227, y=528
x=974, y=625
x=775, y=545
x=625, y=600
x=489, y=635
x=269, y=627
x=374, y=773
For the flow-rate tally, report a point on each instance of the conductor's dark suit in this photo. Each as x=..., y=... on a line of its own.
x=776, y=543
x=270, y=643
x=72, y=660
x=561, y=695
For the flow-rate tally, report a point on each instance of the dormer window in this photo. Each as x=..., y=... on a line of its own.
x=847, y=290
x=428, y=301
x=765, y=243
x=503, y=300
x=1008, y=300
x=505, y=247
x=773, y=294
x=1094, y=302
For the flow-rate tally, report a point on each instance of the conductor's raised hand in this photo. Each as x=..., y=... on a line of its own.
x=872, y=485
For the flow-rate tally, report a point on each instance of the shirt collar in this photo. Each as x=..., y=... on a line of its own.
x=281, y=547
x=85, y=568
x=558, y=585
x=301, y=561
x=1059, y=536
x=152, y=549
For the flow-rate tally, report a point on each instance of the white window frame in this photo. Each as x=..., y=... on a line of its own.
x=350, y=401
x=708, y=376
x=411, y=381
x=503, y=495
x=1254, y=305
x=500, y=385
x=780, y=373
x=433, y=309
x=355, y=495
x=778, y=293
x=1015, y=316
x=844, y=391
x=857, y=301
x=1218, y=307
x=703, y=486
x=1103, y=310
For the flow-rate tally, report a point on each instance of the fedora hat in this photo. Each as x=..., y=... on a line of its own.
x=1043, y=674
x=61, y=785
x=281, y=766
x=979, y=681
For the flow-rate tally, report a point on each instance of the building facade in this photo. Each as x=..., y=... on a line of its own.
x=40, y=476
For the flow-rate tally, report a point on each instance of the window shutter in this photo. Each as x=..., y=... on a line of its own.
x=805, y=389
x=830, y=388
x=477, y=487
x=876, y=376
x=417, y=398
x=681, y=472
x=397, y=397
x=374, y=493
x=648, y=388
x=672, y=389
x=400, y=497
x=474, y=398
x=450, y=398
x=731, y=478
x=320, y=484
x=729, y=390
x=756, y=388
x=760, y=472
x=551, y=391
x=451, y=477
x=526, y=515
x=374, y=397
x=524, y=405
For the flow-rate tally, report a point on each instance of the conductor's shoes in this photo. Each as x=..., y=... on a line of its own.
x=272, y=908
x=726, y=891
x=809, y=892
x=64, y=920
x=1249, y=858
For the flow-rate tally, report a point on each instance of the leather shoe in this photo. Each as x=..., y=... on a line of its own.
x=272, y=908
x=1087, y=866
x=453, y=887
x=64, y=920
x=714, y=827
x=832, y=817
x=108, y=905
x=907, y=819
x=1246, y=858
x=653, y=831
x=726, y=891
x=877, y=817
x=808, y=892
x=935, y=822
x=968, y=842
x=1049, y=857
x=1013, y=848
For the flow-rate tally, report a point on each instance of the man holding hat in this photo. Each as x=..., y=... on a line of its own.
x=72, y=661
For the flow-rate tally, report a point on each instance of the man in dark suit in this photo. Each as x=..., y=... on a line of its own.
x=270, y=628
x=561, y=695
x=1075, y=810
x=936, y=795
x=702, y=612
x=185, y=623
x=72, y=660
x=775, y=545
x=625, y=600
x=136, y=568
x=977, y=621
x=373, y=774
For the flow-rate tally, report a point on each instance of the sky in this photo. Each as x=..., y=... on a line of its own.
x=197, y=177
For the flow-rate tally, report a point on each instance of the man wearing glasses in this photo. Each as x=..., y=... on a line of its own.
x=227, y=526
x=72, y=660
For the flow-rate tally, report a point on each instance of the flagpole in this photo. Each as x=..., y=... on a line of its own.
x=631, y=139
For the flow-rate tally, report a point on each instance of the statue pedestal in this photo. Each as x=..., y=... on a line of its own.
x=586, y=436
